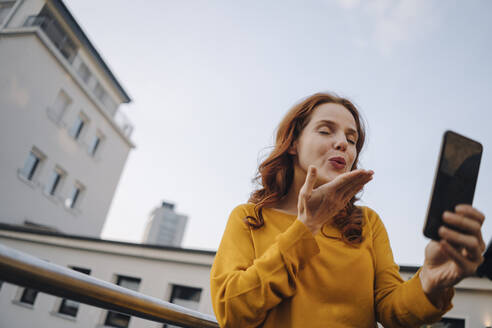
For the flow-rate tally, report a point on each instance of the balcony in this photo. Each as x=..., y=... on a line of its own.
x=68, y=50
x=55, y=33
x=123, y=123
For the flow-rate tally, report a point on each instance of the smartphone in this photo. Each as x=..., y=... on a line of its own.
x=455, y=179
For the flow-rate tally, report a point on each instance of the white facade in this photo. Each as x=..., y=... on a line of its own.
x=62, y=141
x=165, y=226
x=158, y=268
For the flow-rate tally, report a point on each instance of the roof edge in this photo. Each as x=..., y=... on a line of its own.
x=35, y=231
x=77, y=30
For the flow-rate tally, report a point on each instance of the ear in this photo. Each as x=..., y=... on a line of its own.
x=293, y=148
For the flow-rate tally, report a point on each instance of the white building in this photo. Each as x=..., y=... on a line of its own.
x=178, y=275
x=165, y=226
x=63, y=140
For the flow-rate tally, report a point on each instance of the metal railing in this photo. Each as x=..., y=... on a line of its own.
x=25, y=270
x=124, y=123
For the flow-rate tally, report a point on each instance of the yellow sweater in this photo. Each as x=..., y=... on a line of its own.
x=282, y=276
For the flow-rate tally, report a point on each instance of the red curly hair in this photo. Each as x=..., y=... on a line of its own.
x=276, y=172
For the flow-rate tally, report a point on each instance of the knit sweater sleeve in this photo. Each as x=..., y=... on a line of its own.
x=244, y=288
x=399, y=303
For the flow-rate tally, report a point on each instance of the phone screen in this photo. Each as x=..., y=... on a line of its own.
x=455, y=180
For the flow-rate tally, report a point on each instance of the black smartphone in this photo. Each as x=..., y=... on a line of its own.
x=455, y=180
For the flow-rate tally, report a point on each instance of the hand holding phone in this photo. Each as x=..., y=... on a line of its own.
x=455, y=180
x=458, y=253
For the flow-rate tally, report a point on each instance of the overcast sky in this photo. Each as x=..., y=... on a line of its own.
x=210, y=81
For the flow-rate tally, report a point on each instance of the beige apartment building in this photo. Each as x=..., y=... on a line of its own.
x=63, y=139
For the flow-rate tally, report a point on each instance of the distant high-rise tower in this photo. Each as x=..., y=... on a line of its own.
x=165, y=226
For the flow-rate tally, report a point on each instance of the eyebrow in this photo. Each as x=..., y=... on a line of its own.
x=331, y=123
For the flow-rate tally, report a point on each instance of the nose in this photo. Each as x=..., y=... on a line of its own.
x=340, y=143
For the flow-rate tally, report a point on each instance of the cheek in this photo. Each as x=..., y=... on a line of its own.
x=352, y=158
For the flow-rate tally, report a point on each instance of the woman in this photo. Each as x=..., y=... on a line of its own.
x=301, y=254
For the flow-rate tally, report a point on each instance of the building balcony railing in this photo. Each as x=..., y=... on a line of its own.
x=25, y=270
x=69, y=50
x=56, y=34
x=124, y=123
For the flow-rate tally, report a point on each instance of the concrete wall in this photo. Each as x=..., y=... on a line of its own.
x=31, y=78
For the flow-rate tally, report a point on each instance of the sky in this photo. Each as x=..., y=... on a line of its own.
x=210, y=81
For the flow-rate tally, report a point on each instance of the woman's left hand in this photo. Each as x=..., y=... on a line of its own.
x=457, y=255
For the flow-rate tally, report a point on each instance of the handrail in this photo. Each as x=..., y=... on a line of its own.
x=25, y=270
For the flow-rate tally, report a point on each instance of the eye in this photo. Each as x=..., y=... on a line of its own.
x=352, y=142
x=324, y=131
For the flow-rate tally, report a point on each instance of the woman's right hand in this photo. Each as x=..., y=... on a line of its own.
x=317, y=206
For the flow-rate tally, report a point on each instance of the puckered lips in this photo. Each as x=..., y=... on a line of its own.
x=338, y=162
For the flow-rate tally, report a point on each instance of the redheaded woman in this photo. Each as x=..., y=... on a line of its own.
x=302, y=254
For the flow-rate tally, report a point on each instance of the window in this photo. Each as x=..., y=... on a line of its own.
x=31, y=165
x=59, y=107
x=447, y=323
x=120, y=320
x=54, y=31
x=99, y=91
x=55, y=181
x=5, y=9
x=84, y=72
x=109, y=103
x=95, y=144
x=78, y=126
x=28, y=296
x=75, y=195
x=188, y=297
x=69, y=307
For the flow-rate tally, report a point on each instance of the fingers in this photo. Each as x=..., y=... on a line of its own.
x=470, y=212
x=468, y=220
x=354, y=185
x=307, y=187
x=465, y=265
x=350, y=180
x=461, y=240
x=462, y=223
x=350, y=177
